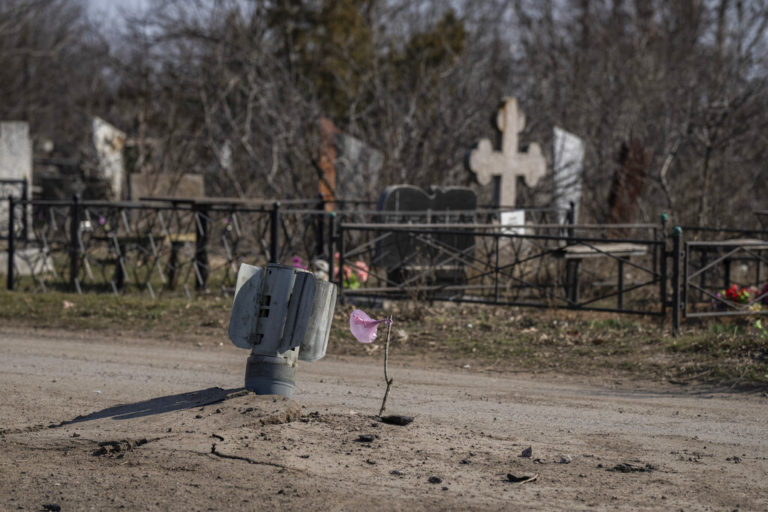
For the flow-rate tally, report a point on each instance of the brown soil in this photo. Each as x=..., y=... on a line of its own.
x=92, y=422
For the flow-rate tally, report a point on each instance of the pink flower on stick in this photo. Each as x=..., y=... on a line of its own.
x=364, y=327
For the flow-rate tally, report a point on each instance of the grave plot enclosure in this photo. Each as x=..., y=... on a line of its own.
x=490, y=256
x=154, y=246
x=532, y=265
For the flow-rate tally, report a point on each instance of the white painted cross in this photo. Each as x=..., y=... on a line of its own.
x=507, y=162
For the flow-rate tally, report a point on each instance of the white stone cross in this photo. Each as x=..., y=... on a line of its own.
x=508, y=162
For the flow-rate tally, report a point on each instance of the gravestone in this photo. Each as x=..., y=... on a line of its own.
x=15, y=164
x=185, y=185
x=350, y=168
x=504, y=163
x=109, y=143
x=15, y=151
x=404, y=255
x=628, y=182
x=567, y=168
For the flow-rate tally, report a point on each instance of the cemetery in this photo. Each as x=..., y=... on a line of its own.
x=297, y=267
x=383, y=255
x=429, y=245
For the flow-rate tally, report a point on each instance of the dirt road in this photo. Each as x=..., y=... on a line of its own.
x=88, y=423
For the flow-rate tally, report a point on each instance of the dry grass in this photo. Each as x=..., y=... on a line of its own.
x=731, y=352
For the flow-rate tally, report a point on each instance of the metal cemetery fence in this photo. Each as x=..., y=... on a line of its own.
x=16, y=189
x=166, y=245
x=534, y=266
x=724, y=273
x=159, y=245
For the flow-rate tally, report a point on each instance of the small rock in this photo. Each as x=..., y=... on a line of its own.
x=735, y=459
x=401, y=336
x=465, y=367
x=371, y=462
x=52, y=507
x=527, y=452
x=396, y=472
x=465, y=461
x=565, y=459
x=435, y=480
x=366, y=438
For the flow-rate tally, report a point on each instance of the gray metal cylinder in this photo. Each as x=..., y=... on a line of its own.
x=265, y=375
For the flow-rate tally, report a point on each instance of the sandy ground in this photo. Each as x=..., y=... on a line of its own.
x=91, y=423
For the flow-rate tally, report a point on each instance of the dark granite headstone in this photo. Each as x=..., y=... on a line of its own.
x=410, y=254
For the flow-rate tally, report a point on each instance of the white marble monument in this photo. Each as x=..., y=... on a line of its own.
x=15, y=163
x=109, y=142
x=567, y=166
x=15, y=151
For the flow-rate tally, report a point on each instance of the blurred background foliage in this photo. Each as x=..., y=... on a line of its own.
x=236, y=89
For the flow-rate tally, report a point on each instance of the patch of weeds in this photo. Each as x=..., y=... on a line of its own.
x=729, y=329
x=613, y=323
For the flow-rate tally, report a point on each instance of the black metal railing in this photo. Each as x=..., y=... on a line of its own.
x=166, y=245
x=531, y=266
x=17, y=189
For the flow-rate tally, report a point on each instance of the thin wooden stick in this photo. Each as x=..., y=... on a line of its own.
x=386, y=375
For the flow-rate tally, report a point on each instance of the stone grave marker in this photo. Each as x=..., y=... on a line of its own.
x=567, y=168
x=350, y=167
x=15, y=163
x=109, y=143
x=186, y=185
x=15, y=151
x=405, y=256
x=504, y=163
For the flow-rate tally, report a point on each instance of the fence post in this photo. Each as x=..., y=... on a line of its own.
x=340, y=239
x=74, y=243
x=274, y=232
x=331, y=240
x=201, y=245
x=11, y=241
x=24, y=212
x=677, y=235
x=662, y=258
x=320, y=233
